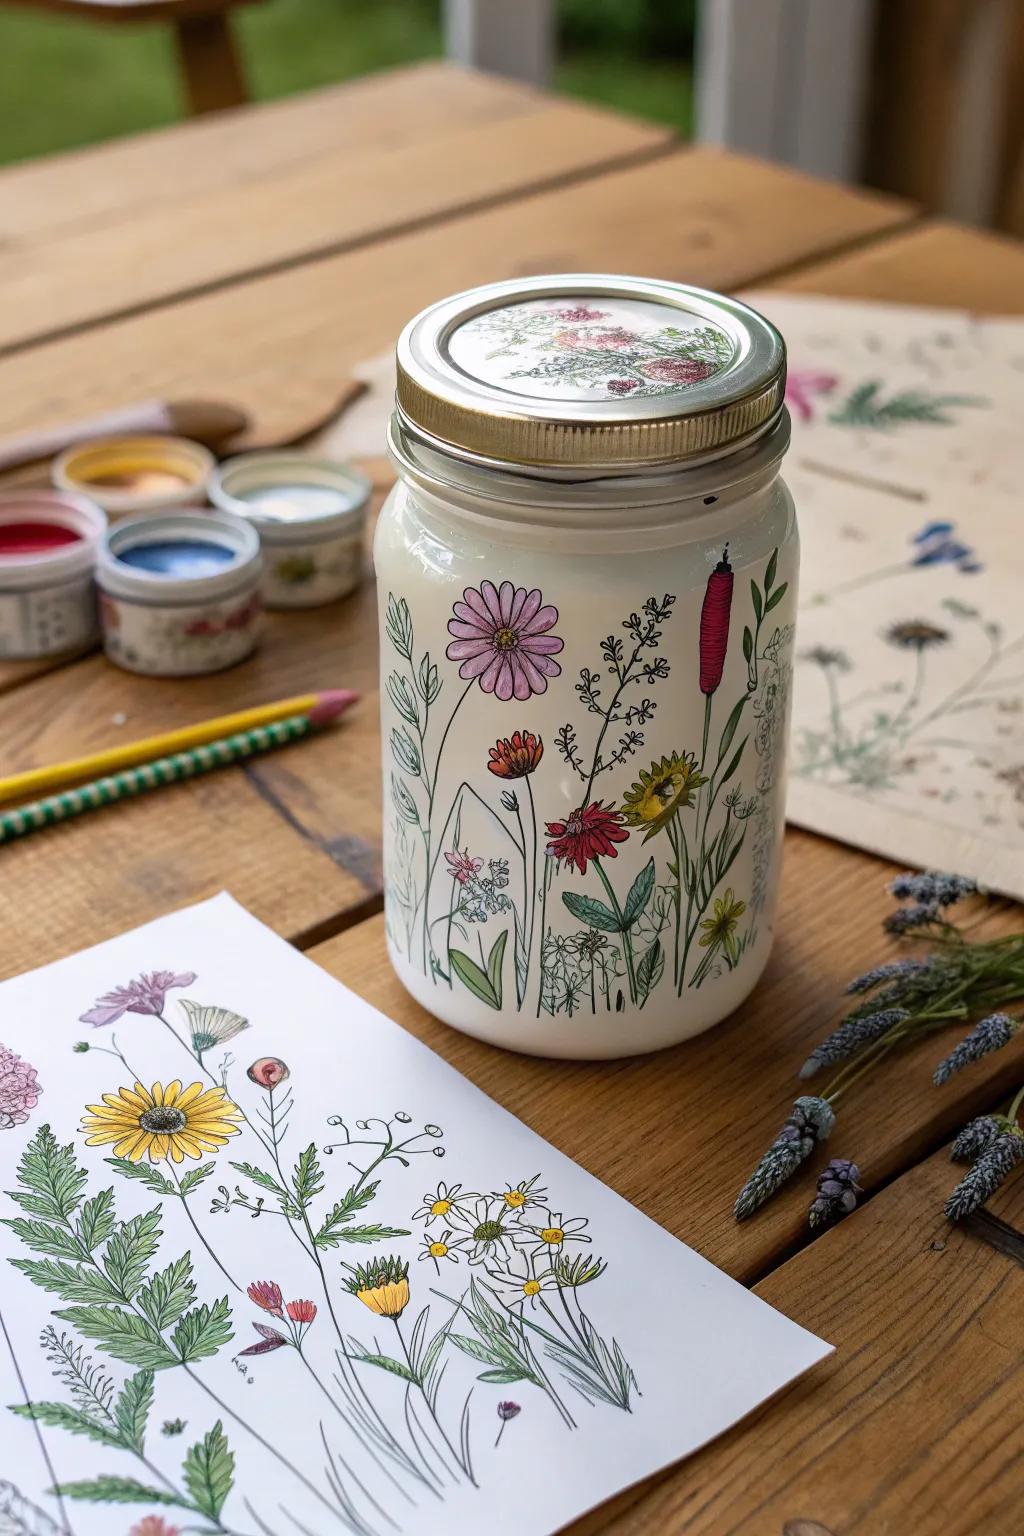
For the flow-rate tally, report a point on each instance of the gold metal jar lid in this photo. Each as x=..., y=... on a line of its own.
x=591, y=371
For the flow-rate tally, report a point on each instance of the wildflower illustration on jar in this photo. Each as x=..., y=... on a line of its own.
x=586, y=660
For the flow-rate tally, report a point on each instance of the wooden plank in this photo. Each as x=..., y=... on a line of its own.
x=678, y=1132
x=933, y=263
x=134, y=177
x=279, y=346
x=913, y=1425
x=336, y=202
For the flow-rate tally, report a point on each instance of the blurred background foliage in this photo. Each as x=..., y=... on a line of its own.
x=69, y=82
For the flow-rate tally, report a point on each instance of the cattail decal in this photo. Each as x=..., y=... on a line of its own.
x=714, y=624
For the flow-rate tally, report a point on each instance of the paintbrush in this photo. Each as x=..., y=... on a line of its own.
x=210, y=422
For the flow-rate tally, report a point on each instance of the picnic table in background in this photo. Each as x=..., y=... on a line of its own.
x=386, y=194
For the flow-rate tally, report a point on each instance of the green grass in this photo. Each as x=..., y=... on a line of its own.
x=69, y=82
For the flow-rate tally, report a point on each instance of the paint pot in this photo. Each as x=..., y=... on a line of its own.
x=136, y=474
x=48, y=543
x=179, y=592
x=310, y=514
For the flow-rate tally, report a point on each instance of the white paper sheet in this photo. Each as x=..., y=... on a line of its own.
x=632, y=1368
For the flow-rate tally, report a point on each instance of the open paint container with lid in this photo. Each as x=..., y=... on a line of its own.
x=48, y=544
x=310, y=514
x=136, y=474
x=179, y=592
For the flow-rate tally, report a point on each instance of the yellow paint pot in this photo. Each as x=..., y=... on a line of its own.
x=136, y=474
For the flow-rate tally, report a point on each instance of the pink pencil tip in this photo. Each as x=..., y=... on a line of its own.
x=331, y=703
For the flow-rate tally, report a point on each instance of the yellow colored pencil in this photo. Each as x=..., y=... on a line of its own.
x=36, y=780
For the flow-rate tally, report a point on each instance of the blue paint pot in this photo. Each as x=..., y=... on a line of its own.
x=179, y=592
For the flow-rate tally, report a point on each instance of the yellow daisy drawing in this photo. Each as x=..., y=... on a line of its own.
x=161, y=1122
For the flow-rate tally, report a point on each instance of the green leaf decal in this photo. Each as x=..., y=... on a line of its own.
x=202, y=1331
x=386, y=1363
x=74, y=1420
x=96, y=1220
x=151, y=1177
x=731, y=725
x=734, y=764
x=123, y=1335
x=494, y=960
x=71, y=1282
x=43, y=1238
x=755, y=598
x=131, y=1411
x=639, y=895
x=308, y=1178
x=398, y=623
x=116, y=1490
x=52, y=1174
x=503, y=1378
x=650, y=970
x=193, y=1177
x=352, y=1201
x=776, y=597
x=472, y=1347
x=372, y=1234
x=130, y=1249
x=268, y=1182
x=209, y=1471
x=168, y=1294
x=769, y=575
x=404, y=803
x=594, y=913
x=486, y=985
x=748, y=644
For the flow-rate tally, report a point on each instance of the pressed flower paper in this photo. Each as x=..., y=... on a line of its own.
x=908, y=712
x=277, y=1268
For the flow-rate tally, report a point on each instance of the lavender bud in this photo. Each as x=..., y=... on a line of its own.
x=855, y=1031
x=894, y=970
x=977, y=1137
x=907, y=919
x=989, y=1034
x=994, y=1165
x=837, y=1192
x=933, y=886
x=811, y=1120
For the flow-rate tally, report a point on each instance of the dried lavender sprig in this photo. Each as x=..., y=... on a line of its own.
x=837, y=1192
x=933, y=886
x=894, y=970
x=810, y=1120
x=976, y=1137
x=989, y=1034
x=909, y=919
x=991, y=1170
x=855, y=1031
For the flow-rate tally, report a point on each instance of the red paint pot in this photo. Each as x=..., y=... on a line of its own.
x=48, y=542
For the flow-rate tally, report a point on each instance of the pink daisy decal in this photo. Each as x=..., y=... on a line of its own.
x=143, y=995
x=501, y=639
x=462, y=867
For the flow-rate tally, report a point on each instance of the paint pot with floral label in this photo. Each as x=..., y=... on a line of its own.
x=179, y=592
x=48, y=543
x=136, y=474
x=587, y=577
x=311, y=516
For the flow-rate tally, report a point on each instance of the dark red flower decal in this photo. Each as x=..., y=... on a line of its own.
x=714, y=624
x=589, y=833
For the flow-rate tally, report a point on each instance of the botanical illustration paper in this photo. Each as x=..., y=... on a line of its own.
x=271, y=1266
x=908, y=729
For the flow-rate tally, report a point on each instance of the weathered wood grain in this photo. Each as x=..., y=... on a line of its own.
x=280, y=346
x=677, y=1133
x=336, y=202
x=913, y=1425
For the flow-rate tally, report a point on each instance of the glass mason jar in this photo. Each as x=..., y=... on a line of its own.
x=587, y=575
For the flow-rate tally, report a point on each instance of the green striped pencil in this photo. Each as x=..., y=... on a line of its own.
x=139, y=780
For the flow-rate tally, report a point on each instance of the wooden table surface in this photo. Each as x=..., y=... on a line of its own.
x=258, y=257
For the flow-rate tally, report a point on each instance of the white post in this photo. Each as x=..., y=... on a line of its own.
x=508, y=37
x=786, y=79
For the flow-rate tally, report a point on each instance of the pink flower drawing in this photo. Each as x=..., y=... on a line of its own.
x=463, y=868
x=618, y=339
x=19, y=1089
x=677, y=370
x=802, y=384
x=501, y=639
x=154, y=1525
x=581, y=312
x=144, y=995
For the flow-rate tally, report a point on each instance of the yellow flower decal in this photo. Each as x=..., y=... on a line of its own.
x=388, y=1300
x=663, y=791
x=159, y=1122
x=382, y=1285
x=719, y=928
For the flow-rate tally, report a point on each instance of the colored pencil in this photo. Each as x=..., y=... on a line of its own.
x=139, y=780
x=36, y=780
